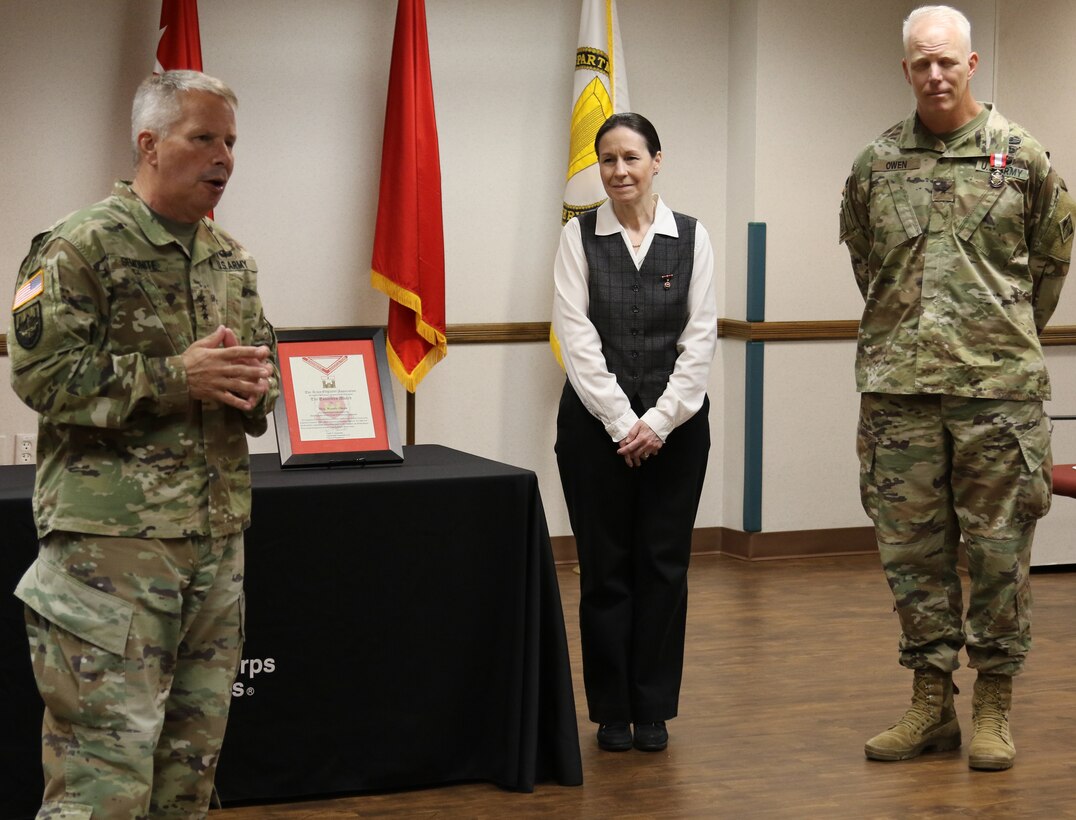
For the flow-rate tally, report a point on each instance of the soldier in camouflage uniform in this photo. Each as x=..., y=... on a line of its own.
x=141, y=343
x=960, y=235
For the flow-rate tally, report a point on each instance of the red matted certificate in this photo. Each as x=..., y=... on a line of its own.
x=332, y=400
x=335, y=407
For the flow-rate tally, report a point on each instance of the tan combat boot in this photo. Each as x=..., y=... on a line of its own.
x=991, y=743
x=929, y=725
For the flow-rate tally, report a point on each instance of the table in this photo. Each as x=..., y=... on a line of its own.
x=404, y=628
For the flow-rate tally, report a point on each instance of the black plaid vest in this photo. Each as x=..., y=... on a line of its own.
x=639, y=314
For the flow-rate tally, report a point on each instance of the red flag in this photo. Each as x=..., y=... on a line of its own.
x=409, y=249
x=180, y=46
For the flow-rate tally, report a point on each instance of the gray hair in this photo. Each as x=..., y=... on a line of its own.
x=939, y=14
x=157, y=104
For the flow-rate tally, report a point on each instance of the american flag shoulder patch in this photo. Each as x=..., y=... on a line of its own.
x=30, y=290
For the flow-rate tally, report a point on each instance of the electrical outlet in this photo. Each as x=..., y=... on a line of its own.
x=7, y=451
x=26, y=448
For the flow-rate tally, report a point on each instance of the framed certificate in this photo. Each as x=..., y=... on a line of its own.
x=335, y=406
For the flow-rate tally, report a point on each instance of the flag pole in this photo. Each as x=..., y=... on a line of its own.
x=410, y=418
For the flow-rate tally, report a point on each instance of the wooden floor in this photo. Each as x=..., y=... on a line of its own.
x=791, y=666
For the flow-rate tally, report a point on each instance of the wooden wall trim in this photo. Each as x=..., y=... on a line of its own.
x=463, y=334
x=798, y=331
x=1059, y=335
x=839, y=329
x=825, y=330
x=759, y=546
x=769, y=546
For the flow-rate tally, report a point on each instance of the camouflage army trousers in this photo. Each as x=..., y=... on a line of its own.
x=933, y=469
x=135, y=644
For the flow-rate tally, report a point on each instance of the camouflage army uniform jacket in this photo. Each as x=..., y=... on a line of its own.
x=103, y=311
x=960, y=251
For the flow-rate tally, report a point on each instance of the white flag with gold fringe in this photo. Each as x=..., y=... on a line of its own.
x=600, y=90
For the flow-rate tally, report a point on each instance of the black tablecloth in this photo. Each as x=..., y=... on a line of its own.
x=403, y=628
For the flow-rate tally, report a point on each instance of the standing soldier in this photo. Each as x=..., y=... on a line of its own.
x=140, y=342
x=960, y=235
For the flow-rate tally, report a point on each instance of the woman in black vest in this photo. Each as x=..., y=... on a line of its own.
x=636, y=321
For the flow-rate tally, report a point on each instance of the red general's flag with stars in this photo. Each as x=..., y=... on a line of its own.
x=180, y=45
x=409, y=251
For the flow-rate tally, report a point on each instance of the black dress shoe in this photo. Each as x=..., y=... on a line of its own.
x=614, y=737
x=651, y=737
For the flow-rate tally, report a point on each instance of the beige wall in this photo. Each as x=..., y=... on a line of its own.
x=1039, y=97
x=761, y=104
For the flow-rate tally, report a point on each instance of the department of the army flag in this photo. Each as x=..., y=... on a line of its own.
x=180, y=45
x=409, y=254
x=600, y=90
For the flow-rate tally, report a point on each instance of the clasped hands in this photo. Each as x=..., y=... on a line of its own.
x=639, y=444
x=220, y=369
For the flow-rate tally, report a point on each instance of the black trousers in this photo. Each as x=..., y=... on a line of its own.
x=632, y=530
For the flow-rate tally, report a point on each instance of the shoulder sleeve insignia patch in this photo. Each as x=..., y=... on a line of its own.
x=28, y=325
x=30, y=290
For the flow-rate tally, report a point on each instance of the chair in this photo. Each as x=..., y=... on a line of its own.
x=1064, y=474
